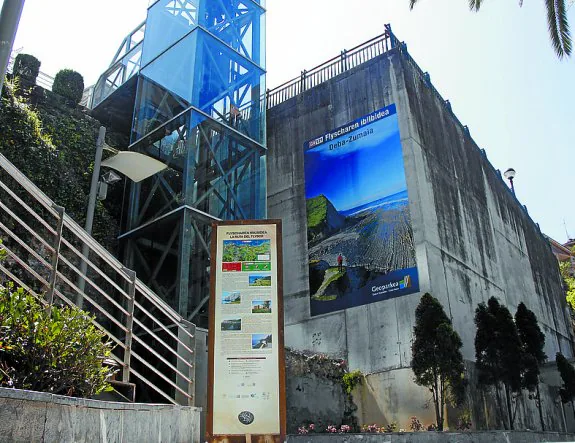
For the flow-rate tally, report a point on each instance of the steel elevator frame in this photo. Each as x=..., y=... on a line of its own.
x=196, y=82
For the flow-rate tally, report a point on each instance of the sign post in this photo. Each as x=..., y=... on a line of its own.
x=246, y=385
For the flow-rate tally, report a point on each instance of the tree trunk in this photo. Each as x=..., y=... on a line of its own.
x=540, y=408
x=441, y=418
x=485, y=408
x=436, y=404
x=509, y=411
x=500, y=407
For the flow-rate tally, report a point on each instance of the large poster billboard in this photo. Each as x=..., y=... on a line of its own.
x=360, y=239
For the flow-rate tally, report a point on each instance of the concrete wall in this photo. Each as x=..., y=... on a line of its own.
x=473, y=239
x=28, y=417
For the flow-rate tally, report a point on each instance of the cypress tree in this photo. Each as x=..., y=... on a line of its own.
x=437, y=361
x=533, y=356
x=498, y=350
x=567, y=372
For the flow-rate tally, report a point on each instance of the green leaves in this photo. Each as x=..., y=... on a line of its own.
x=53, y=145
x=69, y=84
x=567, y=372
x=27, y=66
x=497, y=346
x=351, y=379
x=558, y=27
x=532, y=344
x=568, y=282
x=60, y=352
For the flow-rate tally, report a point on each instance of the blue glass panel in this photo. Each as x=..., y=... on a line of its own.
x=227, y=175
x=167, y=22
x=175, y=69
x=231, y=87
x=238, y=24
x=201, y=71
x=155, y=105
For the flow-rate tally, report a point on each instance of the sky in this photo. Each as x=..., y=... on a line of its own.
x=362, y=170
x=497, y=68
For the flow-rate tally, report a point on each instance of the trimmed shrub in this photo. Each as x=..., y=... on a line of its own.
x=60, y=352
x=69, y=84
x=26, y=66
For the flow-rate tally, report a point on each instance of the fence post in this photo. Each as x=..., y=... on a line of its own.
x=344, y=60
x=302, y=80
x=389, y=33
x=187, y=337
x=129, y=324
x=56, y=256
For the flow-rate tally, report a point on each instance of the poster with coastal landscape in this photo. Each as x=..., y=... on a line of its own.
x=360, y=239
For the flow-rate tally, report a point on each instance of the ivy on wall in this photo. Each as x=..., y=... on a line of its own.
x=53, y=144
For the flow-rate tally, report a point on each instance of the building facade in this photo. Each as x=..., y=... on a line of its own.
x=471, y=238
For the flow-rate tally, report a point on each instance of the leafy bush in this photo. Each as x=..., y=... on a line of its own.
x=416, y=425
x=351, y=379
x=69, y=84
x=391, y=427
x=26, y=66
x=57, y=351
x=53, y=145
x=464, y=422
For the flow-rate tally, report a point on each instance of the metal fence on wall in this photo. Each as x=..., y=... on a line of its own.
x=348, y=59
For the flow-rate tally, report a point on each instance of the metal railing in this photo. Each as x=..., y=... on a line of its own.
x=154, y=346
x=45, y=81
x=348, y=59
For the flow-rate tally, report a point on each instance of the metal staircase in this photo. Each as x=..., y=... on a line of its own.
x=154, y=345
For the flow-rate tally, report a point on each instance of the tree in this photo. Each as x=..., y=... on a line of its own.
x=69, y=84
x=498, y=350
x=567, y=372
x=27, y=66
x=568, y=282
x=557, y=23
x=533, y=342
x=437, y=361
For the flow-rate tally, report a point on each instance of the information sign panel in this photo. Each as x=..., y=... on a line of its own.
x=246, y=391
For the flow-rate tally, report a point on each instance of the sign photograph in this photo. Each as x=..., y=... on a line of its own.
x=360, y=239
x=246, y=395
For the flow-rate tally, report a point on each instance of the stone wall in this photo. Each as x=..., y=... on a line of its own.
x=315, y=392
x=29, y=417
x=473, y=239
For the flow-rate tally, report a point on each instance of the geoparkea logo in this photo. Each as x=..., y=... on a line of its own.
x=392, y=286
x=405, y=283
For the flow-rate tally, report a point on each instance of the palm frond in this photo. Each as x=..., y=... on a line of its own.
x=474, y=5
x=558, y=27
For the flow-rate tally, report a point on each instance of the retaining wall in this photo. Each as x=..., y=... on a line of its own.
x=473, y=239
x=29, y=417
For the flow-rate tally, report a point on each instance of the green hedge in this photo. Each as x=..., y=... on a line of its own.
x=26, y=66
x=69, y=84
